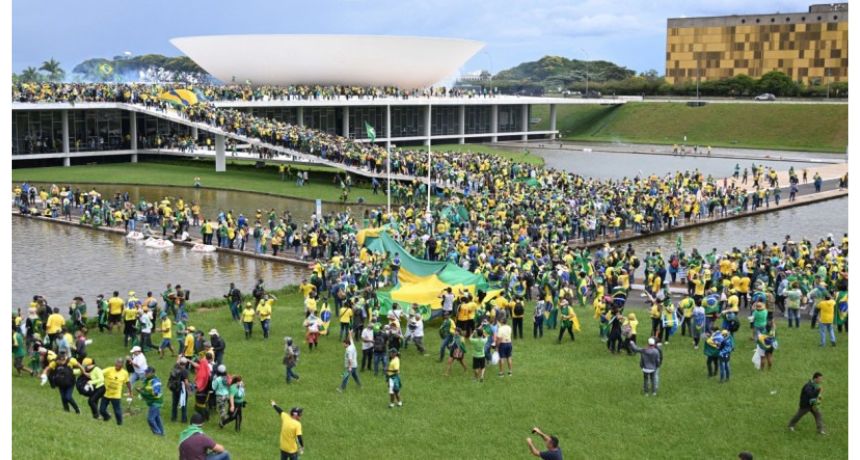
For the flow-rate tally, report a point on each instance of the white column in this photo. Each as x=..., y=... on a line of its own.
x=388, y=127
x=552, y=119
x=220, y=154
x=524, y=122
x=494, y=123
x=427, y=129
x=67, y=161
x=346, y=122
x=461, y=123
x=132, y=129
x=195, y=133
x=134, y=158
x=301, y=116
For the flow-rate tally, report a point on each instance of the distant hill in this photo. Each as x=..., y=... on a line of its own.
x=146, y=67
x=553, y=71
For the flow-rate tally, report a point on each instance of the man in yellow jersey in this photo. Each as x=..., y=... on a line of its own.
x=188, y=348
x=291, y=443
x=392, y=374
x=115, y=305
x=115, y=378
x=264, y=310
x=166, y=335
x=54, y=326
x=248, y=319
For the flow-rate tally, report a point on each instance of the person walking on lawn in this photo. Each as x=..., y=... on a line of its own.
x=810, y=400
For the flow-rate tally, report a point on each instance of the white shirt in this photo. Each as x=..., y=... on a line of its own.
x=366, y=335
x=146, y=324
x=139, y=363
x=447, y=302
x=419, y=327
x=349, y=359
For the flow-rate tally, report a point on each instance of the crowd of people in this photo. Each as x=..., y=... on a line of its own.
x=135, y=92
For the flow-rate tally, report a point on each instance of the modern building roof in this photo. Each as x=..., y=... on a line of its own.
x=354, y=60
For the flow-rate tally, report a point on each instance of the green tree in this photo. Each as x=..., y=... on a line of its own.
x=777, y=83
x=53, y=69
x=30, y=74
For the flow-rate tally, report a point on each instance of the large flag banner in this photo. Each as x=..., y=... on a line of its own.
x=420, y=281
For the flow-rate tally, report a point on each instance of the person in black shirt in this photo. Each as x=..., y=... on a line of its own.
x=552, y=452
x=810, y=399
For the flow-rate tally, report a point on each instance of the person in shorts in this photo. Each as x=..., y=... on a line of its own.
x=479, y=362
x=505, y=347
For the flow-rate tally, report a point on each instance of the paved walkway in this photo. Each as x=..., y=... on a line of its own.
x=657, y=149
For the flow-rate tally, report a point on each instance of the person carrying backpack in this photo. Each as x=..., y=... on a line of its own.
x=62, y=377
x=234, y=296
x=177, y=383
x=91, y=384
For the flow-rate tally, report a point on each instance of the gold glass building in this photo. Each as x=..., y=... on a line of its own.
x=809, y=47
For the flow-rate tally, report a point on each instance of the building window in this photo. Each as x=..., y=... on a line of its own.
x=787, y=19
x=819, y=18
x=757, y=20
x=803, y=18
x=743, y=21
x=772, y=20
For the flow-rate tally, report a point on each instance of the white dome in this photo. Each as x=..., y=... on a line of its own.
x=355, y=60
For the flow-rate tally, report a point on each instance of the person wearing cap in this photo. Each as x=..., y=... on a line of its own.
x=221, y=390
x=152, y=394
x=392, y=374
x=195, y=445
x=114, y=377
x=218, y=345
x=248, y=319
x=650, y=361
x=552, y=452
x=96, y=381
x=138, y=362
x=129, y=318
x=264, y=310
x=291, y=442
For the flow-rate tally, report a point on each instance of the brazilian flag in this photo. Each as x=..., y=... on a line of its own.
x=371, y=133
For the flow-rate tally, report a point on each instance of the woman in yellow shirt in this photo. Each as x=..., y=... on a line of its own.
x=248, y=319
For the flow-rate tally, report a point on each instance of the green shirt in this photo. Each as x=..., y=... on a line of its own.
x=760, y=318
x=238, y=396
x=478, y=346
x=20, y=348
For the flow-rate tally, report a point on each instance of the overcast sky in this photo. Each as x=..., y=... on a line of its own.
x=627, y=32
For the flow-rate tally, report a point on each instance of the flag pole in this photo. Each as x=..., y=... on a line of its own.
x=388, y=166
x=429, y=153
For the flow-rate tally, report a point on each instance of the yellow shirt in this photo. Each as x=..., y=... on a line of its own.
x=248, y=315
x=189, y=345
x=345, y=315
x=466, y=311
x=394, y=366
x=825, y=308
x=166, y=328
x=291, y=429
x=115, y=305
x=265, y=310
x=129, y=314
x=311, y=305
x=114, y=381
x=306, y=289
x=55, y=323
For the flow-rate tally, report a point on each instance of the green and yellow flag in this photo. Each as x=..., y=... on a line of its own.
x=371, y=133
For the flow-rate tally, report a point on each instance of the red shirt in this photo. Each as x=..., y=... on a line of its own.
x=202, y=378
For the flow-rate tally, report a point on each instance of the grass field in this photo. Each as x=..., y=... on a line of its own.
x=812, y=127
x=241, y=176
x=587, y=397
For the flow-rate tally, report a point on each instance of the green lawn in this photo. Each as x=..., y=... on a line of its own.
x=579, y=392
x=813, y=127
x=240, y=175
x=518, y=155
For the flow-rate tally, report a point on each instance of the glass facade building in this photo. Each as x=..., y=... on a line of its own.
x=810, y=47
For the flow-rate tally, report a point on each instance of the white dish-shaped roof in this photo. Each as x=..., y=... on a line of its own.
x=355, y=60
